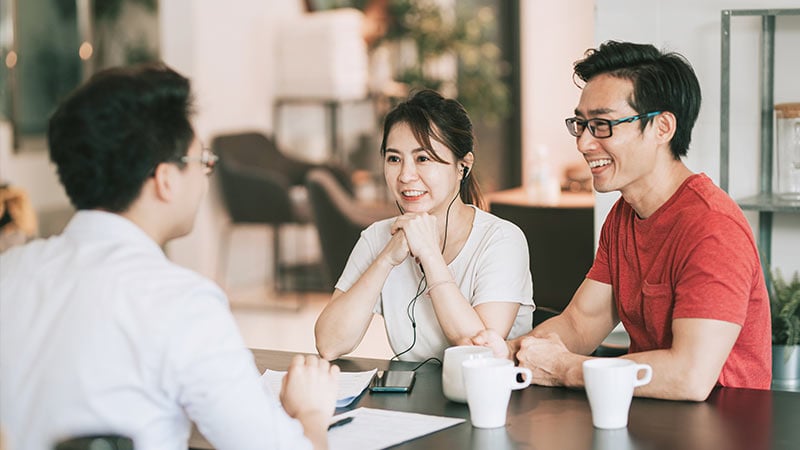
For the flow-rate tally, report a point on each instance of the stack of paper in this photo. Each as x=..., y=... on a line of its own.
x=351, y=384
x=380, y=428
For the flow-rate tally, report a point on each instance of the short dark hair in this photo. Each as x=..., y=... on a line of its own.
x=107, y=137
x=662, y=81
x=428, y=114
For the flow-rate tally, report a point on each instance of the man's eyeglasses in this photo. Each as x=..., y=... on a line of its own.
x=206, y=158
x=601, y=128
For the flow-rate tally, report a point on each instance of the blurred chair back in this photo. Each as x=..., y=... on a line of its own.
x=339, y=218
x=256, y=177
x=560, y=246
x=259, y=185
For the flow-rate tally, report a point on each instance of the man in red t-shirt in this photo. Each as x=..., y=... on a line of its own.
x=676, y=263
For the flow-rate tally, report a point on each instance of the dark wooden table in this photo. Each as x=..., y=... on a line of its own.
x=560, y=419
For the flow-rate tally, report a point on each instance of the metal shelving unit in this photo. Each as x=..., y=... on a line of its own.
x=764, y=202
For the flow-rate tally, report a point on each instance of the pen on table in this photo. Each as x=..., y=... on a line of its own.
x=341, y=422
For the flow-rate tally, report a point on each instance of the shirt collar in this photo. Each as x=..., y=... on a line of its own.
x=102, y=225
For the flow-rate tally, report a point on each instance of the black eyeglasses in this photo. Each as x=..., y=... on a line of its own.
x=601, y=128
x=206, y=158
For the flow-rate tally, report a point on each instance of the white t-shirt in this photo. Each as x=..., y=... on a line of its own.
x=493, y=266
x=100, y=333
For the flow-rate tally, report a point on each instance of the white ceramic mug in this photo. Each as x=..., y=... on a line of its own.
x=616, y=439
x=609, y=386
x=489, y=382
x=452, y=379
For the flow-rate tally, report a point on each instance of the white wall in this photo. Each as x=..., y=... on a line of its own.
x=692, y=28
x=553, y=35
x=227, y=50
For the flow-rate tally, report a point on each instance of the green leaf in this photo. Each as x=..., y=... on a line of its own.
x=785, y=306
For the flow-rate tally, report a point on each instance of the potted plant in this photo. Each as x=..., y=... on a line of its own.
x=427, y=38
x=785, y=306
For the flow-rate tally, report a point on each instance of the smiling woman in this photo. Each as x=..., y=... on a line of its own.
x=443, y=269
x=48, y=47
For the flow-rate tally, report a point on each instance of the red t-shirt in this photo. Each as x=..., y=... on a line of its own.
x=695, y=257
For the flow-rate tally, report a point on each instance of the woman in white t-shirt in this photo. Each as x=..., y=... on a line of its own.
x=443, y=270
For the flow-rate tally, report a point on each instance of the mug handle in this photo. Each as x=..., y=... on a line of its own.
x=648, y=374
x=526, y=376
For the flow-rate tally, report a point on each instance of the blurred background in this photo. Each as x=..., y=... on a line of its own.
x=299, y=86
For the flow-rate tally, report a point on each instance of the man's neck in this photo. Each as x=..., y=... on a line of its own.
x=658, y=188
x=148, y=225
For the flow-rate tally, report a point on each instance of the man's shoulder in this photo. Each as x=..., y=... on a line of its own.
x=703, y=201
x=21, y=257
x=114, y=265
x=709, y=193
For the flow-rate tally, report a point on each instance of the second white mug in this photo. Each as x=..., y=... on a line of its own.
x=489, y=382
x=609, y=386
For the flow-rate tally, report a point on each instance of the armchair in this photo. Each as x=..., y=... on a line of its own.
x=259, y=185
x=339, y=218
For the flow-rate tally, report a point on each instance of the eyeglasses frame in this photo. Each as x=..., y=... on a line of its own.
x=207, y=158
x=585, y=124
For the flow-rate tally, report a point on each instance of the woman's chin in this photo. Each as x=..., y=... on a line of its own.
x=414, y=206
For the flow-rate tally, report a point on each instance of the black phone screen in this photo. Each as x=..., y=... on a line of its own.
x=392, y=381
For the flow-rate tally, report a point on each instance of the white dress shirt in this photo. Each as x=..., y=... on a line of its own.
x=101, y=333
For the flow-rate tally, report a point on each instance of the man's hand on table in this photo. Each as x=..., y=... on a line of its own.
x=308, y=394
x=550, y=361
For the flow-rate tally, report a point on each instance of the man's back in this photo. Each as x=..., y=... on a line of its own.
x=99, y=332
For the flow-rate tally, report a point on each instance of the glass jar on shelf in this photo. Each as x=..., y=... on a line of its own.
x=787, y=152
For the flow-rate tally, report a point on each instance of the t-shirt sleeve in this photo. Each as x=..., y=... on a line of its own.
x=357, y=263
x=215, y=380
x=718, y=273
x=600, y=270
x=503, y=270
x=363, y=254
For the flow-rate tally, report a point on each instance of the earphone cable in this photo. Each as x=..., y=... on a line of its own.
x=431, y=359
x=423, y=284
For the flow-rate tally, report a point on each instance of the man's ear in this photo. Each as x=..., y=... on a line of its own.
x=163, y=182
x=665, y=124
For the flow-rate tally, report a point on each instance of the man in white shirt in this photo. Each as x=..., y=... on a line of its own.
x=99, y=331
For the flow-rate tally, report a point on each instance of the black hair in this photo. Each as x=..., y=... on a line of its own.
x=662, y=81
x=107, y=137
x=428, y=114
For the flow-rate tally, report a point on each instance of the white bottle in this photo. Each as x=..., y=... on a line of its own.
x=540, y=180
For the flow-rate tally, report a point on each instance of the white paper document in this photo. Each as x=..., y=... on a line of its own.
x=381, y=428
x=351, y=384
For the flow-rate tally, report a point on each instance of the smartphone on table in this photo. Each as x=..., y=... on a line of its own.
x=392, y=381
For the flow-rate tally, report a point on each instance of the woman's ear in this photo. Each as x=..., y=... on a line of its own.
x=466, y=164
